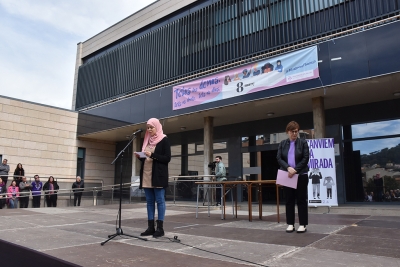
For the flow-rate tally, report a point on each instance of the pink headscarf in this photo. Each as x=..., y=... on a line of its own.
x=155, y=139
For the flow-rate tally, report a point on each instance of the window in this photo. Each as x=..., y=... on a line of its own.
x=80, y=166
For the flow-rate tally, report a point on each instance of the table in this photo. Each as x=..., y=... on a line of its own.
x=216, y=185
x=249, y=185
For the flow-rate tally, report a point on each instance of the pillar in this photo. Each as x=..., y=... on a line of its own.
x=208, y=144
x=319, y=117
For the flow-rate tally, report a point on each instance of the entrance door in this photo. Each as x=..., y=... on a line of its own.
x=269, y=169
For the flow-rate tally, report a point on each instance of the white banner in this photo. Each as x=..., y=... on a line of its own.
x=322, y=187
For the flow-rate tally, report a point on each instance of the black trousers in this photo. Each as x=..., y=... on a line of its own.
x=77, y=197
x=298, y=195
x=51, y=200
x=23, y=202
x=36, y=201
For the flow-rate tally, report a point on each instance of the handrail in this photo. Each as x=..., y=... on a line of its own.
x=32, y=178
x=194, y=177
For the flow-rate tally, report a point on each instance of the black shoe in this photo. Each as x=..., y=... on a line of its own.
x=160, y=229
x=150, y=229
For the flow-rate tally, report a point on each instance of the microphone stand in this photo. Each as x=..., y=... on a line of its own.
x=119, y=229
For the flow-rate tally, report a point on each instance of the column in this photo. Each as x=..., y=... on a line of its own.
x=319, y=117
x=136, y=163
x=184, y=159
x=208, y=144
x=235, y=159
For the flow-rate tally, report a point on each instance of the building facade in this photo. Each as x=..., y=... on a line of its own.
x=130, y=72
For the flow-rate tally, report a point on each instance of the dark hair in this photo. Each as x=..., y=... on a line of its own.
x=279, y=62
x=16, y=168
x=292, y=126
x=226, y=82
x=35, y=176
x=219, y=157
x=50, y=178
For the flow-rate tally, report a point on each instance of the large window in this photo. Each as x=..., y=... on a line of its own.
x=375, y=149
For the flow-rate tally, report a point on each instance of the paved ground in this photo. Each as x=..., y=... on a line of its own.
x=75, y=234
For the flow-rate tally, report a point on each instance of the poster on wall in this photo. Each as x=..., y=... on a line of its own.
x=322, y=186
x=270, y=73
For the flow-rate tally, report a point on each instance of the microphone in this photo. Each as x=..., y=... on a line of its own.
x=138, y=131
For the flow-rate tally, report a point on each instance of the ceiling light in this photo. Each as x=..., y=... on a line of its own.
x=269, y=114
x=396, y=93
x=183, y=128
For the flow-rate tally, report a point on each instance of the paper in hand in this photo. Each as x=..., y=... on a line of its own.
x=141, y=154
x=282, y=178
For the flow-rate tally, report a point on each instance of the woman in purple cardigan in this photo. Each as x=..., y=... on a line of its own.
x=293, y=156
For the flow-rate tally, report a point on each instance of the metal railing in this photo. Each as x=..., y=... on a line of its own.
x=95, y=192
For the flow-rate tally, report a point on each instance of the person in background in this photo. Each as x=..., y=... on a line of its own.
x=24, y=189
x=50, y=189
x=18, y=174
x=293, y=155
x=78, y=187
x=154, y=174
x=4, y=170
x=36, y=192
x=3, y=193
x=13, y=194
x=279, y=66
x=220, y=175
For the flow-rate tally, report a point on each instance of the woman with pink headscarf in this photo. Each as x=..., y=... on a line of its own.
x=154, y=174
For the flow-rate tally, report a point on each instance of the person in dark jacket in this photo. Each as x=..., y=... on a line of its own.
x=24, y=190
x=50, y=189
x=78, y=188
x=19, y=173
x=3, y=193
x=4, y=170
x=154, y=174
x=293, y=155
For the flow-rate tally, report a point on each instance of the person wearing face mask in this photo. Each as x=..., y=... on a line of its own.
x=154, y=174
x=293, y=155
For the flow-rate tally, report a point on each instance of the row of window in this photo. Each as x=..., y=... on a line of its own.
x=221, y=33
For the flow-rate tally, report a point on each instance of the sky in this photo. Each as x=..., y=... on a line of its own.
x=38, y=41
x=382, y=128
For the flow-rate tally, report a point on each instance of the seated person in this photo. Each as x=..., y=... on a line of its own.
x=387, y=197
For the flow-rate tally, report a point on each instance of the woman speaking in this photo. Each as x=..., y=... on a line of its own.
x=154, y=174
x=293, y=155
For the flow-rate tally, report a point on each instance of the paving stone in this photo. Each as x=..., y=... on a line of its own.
x=373, y=232
x=123, y=254
x=363, y=245
x=380, y=223
x=311, y=257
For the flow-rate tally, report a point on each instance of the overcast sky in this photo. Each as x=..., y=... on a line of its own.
x=38, y=40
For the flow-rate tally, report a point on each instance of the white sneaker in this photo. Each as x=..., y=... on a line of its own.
x=302, y=229
x=290, y=229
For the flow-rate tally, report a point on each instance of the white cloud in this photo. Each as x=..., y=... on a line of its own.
x=38, y=44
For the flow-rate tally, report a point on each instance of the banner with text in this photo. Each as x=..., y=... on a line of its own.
x=278, y=71
x=322, y=188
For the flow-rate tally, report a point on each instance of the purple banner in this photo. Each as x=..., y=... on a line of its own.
x=285, y=69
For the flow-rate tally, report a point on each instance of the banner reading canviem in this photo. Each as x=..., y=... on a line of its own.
x=278, y=71
x=322, y=189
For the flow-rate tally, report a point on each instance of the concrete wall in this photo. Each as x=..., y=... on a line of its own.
x=43, y=140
